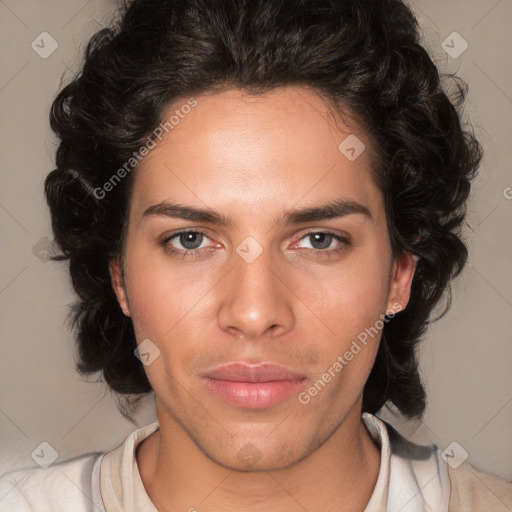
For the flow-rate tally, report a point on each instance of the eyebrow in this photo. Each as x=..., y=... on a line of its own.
x=332, y=209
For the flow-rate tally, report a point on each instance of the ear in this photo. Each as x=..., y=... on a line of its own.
x=401, y=280
x=118, y=285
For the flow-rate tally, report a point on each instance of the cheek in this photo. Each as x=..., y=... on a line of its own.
x=350, y=299
x=351, y=306
x=165, y=310
x=161, y=299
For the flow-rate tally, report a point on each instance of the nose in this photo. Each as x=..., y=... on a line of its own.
x=256, y=300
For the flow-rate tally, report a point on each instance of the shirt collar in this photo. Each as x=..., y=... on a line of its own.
x=411, y=477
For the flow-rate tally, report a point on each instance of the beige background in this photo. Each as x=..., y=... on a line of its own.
x=466, y=360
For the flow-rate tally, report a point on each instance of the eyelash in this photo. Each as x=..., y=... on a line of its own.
x=194, y=253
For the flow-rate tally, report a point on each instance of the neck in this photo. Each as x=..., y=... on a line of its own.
x=339, y=475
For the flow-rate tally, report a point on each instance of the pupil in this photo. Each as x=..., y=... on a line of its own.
x=322, y=236
x=187, y=240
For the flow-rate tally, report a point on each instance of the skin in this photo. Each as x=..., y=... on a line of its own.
x=252, y=159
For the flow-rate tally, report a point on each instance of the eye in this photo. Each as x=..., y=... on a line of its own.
x=190, y=240
x=191, y=243
x=322, y=243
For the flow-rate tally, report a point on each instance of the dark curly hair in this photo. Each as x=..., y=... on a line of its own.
x=363, y=57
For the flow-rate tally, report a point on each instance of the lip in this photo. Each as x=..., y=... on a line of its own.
x=244, y=372
x=254, y=386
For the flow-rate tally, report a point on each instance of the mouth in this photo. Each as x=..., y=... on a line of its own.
x=254, y=386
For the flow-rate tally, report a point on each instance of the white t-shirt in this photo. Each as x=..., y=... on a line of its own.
x=411, y=478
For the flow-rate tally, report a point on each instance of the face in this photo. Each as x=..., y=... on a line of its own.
x=281, y=280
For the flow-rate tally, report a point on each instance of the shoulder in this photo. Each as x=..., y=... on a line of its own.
x=61, y=487
x=461, y=489
x=472, y=490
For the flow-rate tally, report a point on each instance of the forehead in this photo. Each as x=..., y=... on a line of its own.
x=257, y=154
